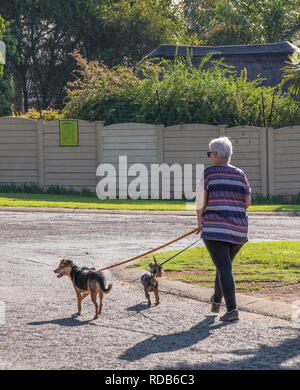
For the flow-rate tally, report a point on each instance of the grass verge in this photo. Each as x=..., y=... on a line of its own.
x=85, y=202
x=88, y=202
x=257, y=266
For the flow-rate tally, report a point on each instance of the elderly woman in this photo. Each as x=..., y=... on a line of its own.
x=223, y=220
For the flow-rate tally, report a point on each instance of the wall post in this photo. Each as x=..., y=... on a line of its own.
x=40, y=151
x=222, y=130
x=160, y=144
x=263, y=161
x=270, y=156
x=99, y=142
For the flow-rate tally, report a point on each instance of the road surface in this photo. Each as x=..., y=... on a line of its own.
x=180, y=333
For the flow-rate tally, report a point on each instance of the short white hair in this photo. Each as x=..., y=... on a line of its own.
x=223, y=147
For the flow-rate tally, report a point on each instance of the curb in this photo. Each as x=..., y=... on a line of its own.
x=247, y=303
x=134, y=212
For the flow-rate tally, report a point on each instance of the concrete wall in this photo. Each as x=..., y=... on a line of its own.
x=18, y=151
x=30, y=152
x=70, y=166
x=284, y=160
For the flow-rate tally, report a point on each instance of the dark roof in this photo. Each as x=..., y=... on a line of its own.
x=200, y=51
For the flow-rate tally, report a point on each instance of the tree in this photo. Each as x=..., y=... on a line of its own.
x=244, y=21
x=176, y=92
x=132, y=29
x=47, y=31
x=292, y=74
x=117, y=32
x=5, y=82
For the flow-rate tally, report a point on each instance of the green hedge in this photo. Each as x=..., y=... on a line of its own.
x=46, y=115
x=177, y=92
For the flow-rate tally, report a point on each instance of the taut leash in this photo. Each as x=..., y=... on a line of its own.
x=152, y=250
x=172, y=257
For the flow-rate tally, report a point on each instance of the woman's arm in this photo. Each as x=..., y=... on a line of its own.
x=200, y=211
x=247, y=201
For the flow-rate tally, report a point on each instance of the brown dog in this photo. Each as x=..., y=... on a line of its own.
x=150, y=282
x=85, y=281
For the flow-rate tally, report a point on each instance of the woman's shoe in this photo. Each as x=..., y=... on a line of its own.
x=230, y=316
x=215, y=307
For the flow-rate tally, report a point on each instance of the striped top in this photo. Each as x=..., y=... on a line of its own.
x=225, y=217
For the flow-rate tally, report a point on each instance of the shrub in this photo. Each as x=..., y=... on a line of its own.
x=33, y=188
x=47, y=115
x=177, y=92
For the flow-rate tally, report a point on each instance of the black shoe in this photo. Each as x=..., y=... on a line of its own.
x=230, y=316
x=215, y=307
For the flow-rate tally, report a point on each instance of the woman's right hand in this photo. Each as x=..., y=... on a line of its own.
x=199, y=219
x=200, y=225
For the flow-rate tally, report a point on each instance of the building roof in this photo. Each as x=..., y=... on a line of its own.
x=169, y=51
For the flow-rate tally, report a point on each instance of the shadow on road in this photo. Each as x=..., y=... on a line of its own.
x=173, y=341
x=138, y=308
x=67, y=321
x=266, y=357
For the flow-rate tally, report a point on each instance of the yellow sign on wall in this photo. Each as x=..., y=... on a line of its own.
x=68, y=133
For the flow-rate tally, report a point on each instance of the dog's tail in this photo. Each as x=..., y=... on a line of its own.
x=101, y=281
x=109, y=288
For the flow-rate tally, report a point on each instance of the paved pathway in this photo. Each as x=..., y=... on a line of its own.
x=180, y=333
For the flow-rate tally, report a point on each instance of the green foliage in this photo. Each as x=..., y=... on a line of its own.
x=175, y=93
x=117, y=32
x=103, y=91
x=259, y=199
x=132, y=29
x=292, y=73
x=47, y=115
x=229, y=22
x=46, y=31
x=33, y=188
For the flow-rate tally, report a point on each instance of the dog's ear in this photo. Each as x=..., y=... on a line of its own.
x=67, y=262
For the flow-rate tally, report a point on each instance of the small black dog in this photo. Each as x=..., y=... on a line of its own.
x=150, y=282
x=85, y=281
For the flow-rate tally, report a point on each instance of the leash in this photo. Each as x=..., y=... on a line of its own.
x=152, y=250
x=172, y=257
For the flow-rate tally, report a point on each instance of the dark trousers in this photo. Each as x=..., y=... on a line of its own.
x=222, y=254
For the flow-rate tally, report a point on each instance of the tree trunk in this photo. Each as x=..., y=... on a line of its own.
x=18, y=101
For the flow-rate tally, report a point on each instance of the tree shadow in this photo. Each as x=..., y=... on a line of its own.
x=174, y=341
x=265, y=357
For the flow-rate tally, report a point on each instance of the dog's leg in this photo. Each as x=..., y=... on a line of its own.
x=80, y=298
x=101, y=301
x=78, y=302
x=155, y=289
x=94, y=300
x=147, y=295
x=84, y=295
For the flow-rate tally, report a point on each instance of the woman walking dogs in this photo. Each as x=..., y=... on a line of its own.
x=223, y=220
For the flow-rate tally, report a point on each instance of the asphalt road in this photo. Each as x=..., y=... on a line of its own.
x=180, y=333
